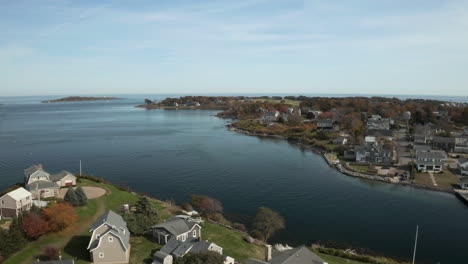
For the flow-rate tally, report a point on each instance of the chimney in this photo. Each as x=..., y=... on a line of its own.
x=267, y=253
x=39, y=166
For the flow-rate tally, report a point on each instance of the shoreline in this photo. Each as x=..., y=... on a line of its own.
x=341, y=169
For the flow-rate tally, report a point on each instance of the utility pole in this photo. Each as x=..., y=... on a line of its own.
x=80, y=168
x=415, y=243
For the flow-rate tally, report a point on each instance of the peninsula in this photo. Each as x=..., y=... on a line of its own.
x=79, y=99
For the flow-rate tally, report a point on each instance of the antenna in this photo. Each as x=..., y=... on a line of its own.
x=415, y=243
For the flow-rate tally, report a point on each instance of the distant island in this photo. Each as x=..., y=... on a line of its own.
x=79, y=99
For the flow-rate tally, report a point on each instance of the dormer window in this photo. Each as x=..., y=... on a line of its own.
x=194, y=233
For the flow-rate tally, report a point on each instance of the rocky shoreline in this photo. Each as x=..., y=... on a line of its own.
x=340, y=168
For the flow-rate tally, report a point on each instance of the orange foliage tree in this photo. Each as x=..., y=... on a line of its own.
x=60, y=216
x=34, y=225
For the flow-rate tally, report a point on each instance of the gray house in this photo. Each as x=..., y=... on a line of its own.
x=63, y=178
x=374, y=153
x=300, y=255
x=430, y=161
x=179, y=238
x=110, y=239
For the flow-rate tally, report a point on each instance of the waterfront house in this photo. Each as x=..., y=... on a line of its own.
x=461, y=144
x=340, y=141
x=63, y=178
x=463, y=166
x=43, y=189
x=180, y=237
x=430, y=161
x=270, y=116
x=15, y=202
x=110, y=239
x=463, y=182
x=35, y=173
x=374, y=152
x=299, y=255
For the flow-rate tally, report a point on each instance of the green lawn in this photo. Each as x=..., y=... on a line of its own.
x=336, y=260
x=445, y=179
x=422, y=178
x=232, y=242
x=142, y=250
x=362, y=168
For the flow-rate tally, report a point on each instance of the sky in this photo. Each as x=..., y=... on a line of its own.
x=64, y=47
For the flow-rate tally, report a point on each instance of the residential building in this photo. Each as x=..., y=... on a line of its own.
x=463, y=182
x=463, y=166
x=110, y=239
x=430, y=161
x=270, y=116
x=63, y=178
x=328, y=124
x=180, y=237
x=381, y=133
x=461, y=144
x=374, y=153
x=444, y=143
x=299, y=255
x=340, y=141
x=43, y=189
x=35, y=173
x=377, y=122
x=15, y=202
x=313, y=114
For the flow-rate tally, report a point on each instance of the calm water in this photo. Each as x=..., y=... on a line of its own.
x=172, y=154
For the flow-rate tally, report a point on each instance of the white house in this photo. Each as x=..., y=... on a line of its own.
x=430, y=161
x=463, y=166
x=15, y=202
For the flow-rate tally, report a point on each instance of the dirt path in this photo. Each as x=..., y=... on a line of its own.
x=66, y=235
x=433, y=178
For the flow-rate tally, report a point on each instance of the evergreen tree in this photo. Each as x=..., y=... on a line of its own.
x=15, y=238
x=71, y=197
x=144, y=217
x=81, y=196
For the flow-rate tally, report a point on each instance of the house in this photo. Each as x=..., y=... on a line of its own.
x=313, y=114
x=381, y=133
x=270, y=116
x=180, y=237
x=299, y=255
x=374, y=153
x=63, y=178
x=461, y=144
x=15, y=202
x=64, y=261
x=463, y=182
x=340, y=141
x=422, y=148
x=43, y=189
x=463, y=166
x=35, y=173
x=430, y=161
x=110, y=239
x=444, y=143
x=325, y=123
x=377, y=122
x=177, y=228
x=423, y=134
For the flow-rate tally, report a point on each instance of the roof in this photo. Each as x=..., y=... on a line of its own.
x=31, y=170
x=64, y=261
x=41, y=185
x=422, y=148
x=62, y=174
x=380, y=132
x=444, y=140
x=464, y=180
x=462, y=160
x=325, y=121
x=179, y=248
x=256, y=261
x=300, y=255
x=433, y=154
x=19, y=194
x=118, y=228
x=176, y=226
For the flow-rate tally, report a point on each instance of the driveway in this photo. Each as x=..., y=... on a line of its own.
x=91, y=192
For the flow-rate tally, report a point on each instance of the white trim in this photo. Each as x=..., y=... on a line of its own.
x=106, y=233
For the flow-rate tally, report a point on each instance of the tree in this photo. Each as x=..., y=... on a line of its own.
x=187, y=207
x=70, y=196
x=207, y=205
x=81, y=196
x=51, y=252
x=34, y=226
x=148, y=101
x=267, y=222
x=294, y=120
x=15, y=238
x=144, y=217
x=209, y=257
x=60, y=216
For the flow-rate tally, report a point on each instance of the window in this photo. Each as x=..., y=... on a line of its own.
x=111, y=239
x=3, y=202
x=101, y=255
x=194, y=233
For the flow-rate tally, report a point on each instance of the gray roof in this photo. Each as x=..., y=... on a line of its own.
x=64, y=261
x=299, y=255
x=433, y=154
x=175, y=226
x=60, y=175
x=462, y=160
x=116, y=223
x=31, y=170
x=422, y=147
x=380, y=132
x=41, y=185
x=178, y=248
x=444, y=140
x=325, y=121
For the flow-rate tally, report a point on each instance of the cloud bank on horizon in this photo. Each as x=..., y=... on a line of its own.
x=244, y=46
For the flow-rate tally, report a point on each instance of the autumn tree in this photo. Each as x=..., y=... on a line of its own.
x=207, y=205
x=60, y=216
x=34, y=226
x=51, y=252
x=266, y=223
x=294, y=120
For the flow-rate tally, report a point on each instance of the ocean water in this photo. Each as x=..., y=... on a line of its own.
x=171, y=154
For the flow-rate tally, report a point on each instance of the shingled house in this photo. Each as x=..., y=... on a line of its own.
x=110, y=239
x=40, y=182
x=299, y=255
x=15, y=202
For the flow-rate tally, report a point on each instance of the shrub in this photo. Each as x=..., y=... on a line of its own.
x=81, y=196
x=71, y=197
x=34, y=226
x=51, y=252
x=60, y=216
x=239, y=226
x=187, y=207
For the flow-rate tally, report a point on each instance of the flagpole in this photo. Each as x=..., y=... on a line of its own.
x=80, y=167
x=415, y=243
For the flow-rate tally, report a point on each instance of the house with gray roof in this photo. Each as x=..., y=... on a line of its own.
x=325, y=123
x=374, y=152
x=299, y=255
x=110, y=239
x=43, y=189
x=63, y=261
x=430, y=161
x=443, y=143
x=463, y=166
x=180, y=237
x=35, y=173
x=63, y=178
x=463, y=182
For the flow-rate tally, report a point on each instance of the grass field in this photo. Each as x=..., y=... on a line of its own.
x=446, y=179
x=362, y=168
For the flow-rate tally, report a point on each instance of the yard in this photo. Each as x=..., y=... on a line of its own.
x=446, y=179
x=360, y=168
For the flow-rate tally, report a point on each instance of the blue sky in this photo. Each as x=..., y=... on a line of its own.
x=55, y=47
